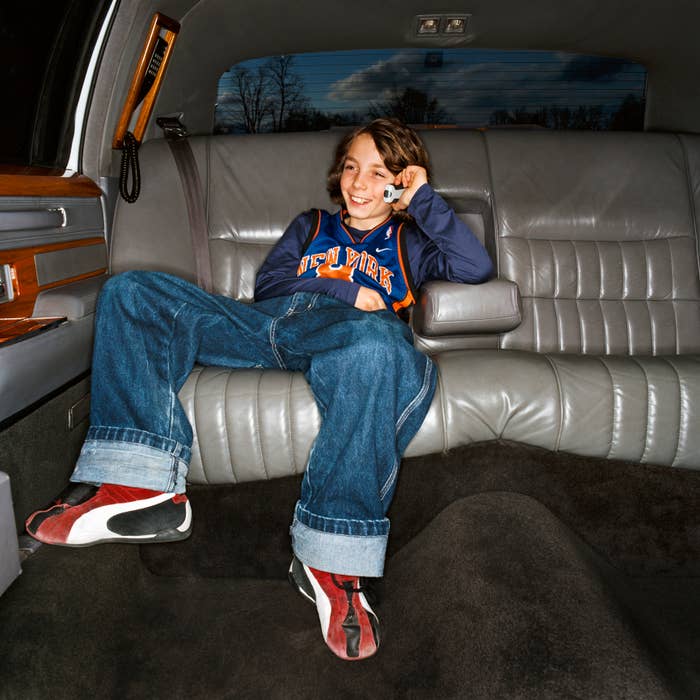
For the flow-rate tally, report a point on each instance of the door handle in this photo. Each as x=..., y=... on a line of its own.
x=31, y=219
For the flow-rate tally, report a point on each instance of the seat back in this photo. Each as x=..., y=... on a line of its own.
x=253, y=187
x=599, y=231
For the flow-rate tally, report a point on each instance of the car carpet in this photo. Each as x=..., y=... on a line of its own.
x=489, y=593
x=643, y=519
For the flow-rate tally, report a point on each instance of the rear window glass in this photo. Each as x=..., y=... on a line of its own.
x=450, y=87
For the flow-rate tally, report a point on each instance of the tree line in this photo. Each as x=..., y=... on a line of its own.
x=271, y=97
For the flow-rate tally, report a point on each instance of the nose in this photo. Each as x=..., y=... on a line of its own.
x=359, y=181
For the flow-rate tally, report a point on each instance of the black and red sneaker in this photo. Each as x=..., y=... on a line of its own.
x=349, y=625
x=84, y=515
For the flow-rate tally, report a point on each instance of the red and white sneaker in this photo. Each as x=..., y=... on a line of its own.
x=349, y=625
x=84, y=515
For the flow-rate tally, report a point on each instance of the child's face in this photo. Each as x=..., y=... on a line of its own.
x=362, y=182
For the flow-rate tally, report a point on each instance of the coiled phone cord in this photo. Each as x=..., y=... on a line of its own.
x=130, y=164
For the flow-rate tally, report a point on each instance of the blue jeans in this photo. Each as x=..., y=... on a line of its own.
x=372, y=388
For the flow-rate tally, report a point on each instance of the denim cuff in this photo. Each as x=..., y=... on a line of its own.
x=131, y=457
x=351, y=555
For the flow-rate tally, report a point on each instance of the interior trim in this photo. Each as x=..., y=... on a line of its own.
x=27, y=284
x=45, y=183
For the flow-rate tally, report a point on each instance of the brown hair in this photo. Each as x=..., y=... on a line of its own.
x=397, y=144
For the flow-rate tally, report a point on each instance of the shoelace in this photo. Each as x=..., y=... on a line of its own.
x=363, y=586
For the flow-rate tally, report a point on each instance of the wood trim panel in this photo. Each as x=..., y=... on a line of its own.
x=158, y=23
x=25, y=282
x=38, y=182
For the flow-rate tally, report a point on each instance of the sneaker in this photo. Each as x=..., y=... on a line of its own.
x=350, y=627
x=84, y=515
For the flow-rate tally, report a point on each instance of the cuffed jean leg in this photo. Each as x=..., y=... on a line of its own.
x=151, y=329
x=373, y=390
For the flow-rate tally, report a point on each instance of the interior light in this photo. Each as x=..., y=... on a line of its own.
x=455, y=25
x=428, y=25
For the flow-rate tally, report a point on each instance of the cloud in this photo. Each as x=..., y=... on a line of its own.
x=593, y=69
x=398, y=71
x=469, y=92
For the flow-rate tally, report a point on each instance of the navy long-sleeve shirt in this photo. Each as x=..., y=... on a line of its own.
x=440, y=246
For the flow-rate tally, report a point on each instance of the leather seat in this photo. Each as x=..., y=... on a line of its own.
x=588, y=341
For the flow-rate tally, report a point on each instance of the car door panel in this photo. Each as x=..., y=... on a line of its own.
x=53, y=250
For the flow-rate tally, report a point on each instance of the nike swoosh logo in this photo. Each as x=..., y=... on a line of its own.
x=381, y=250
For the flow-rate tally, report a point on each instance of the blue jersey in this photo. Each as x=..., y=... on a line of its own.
x=376, y=261
x=435, y=245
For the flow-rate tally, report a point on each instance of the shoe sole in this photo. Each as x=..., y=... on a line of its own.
x=172, y=535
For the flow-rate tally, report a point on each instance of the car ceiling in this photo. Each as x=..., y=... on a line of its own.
x=216, y=34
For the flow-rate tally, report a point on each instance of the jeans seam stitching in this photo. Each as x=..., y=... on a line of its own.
x=390, y=480
x=418, y=397
x=343, y=520
x=273, y=327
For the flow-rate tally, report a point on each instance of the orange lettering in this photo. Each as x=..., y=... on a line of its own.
x=353, y=257
x=317, y=259
x=332, y=255
x=372, y=267
x=385, y=276
x=363, y=262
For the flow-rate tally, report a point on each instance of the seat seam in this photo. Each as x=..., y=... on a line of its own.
x=443, y=399
x=535, y=319
x=646, y=427
x=492, y=203
x=560, y=394
x=680, y=409
x=228, y=432
x=647, y=286
x=195, y=422
x=258, y=423
x=691, y=200
x=614, y=421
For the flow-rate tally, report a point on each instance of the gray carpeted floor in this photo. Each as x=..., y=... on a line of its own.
x=513, y=573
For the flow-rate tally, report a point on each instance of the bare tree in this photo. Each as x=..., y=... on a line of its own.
x=262, y=98
x=286, y=90
x=411, y=106
x=247, y=104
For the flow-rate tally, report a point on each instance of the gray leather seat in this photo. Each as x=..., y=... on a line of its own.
x=588, y=341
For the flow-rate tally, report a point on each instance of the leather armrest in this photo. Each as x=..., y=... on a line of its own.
x=449, y=308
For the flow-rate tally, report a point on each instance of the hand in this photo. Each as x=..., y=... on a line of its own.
x=410, y=178
x=369, y=300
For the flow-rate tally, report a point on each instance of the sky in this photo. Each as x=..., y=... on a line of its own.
x=468, y=83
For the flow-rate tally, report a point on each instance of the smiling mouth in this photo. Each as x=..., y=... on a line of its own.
x=358, y=200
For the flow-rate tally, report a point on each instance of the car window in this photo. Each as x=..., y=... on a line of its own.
x=42, y=76
x=446, y=87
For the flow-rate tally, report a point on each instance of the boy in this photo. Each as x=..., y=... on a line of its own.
x=327, y=303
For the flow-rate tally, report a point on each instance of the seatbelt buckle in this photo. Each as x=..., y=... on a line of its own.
x=172, y=127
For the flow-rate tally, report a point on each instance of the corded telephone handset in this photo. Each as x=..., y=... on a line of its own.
x=153, y=67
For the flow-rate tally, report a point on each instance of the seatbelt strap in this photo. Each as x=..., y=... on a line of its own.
x=176, y=136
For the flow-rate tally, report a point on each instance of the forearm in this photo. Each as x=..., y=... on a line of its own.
x=269, y=286
x=456, y=254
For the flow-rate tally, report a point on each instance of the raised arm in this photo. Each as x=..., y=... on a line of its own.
x=442, y=246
